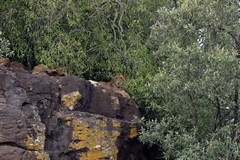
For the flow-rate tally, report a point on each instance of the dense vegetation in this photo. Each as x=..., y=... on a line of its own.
x=180, y=55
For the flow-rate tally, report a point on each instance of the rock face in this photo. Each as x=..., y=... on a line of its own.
x=63, y=118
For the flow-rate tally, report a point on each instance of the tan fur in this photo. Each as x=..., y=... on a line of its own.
x=116, y=85
x=9, y=72
x=41, y=69
x=61, y=71
x=16, y=64
x=123, y=93
x=58, y=72
x=4, y=62
x=44, y=70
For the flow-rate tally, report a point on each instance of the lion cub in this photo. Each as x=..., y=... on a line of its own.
x=4, y=62
x=7, y=63
x=44, y=70
x=41, y=69
x=116, y=84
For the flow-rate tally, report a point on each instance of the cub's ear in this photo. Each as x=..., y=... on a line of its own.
x=125, y=76
x=114, y=76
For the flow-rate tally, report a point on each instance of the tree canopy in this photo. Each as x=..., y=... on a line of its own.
x=182, y=58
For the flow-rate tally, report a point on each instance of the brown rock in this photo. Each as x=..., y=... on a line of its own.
x=8, y=152
x=90, y=136
x=36, y=124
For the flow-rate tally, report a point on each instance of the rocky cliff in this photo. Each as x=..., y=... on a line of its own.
x=63, y=118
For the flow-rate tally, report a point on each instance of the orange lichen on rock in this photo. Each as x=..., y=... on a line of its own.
x=99, y=142
x=133, y=131
x=33, y=144
x=41, y=155
x=38, y=155
x=36, y=142
x=116, y=124
x=103, y=122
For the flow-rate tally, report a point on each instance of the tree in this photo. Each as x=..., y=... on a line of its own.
x=89, y=38
x=194, y=104
x=180, y=56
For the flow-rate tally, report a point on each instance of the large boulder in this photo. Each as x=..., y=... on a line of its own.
x=63, y=118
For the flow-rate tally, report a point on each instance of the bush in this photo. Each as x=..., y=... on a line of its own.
x=5, y=50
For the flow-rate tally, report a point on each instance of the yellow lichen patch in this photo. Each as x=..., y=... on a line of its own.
x=71, y=99
x=33, y=144
x=115, y=100
x=85, y=136
x=38, y=142
x=41, y=155
x=103, y=122
x=115, y=135
x=79, y=134
x=116, y=124
x=133, y=132
x=37, y=155
x=93, y=154
x=99, y=142
x=68, y=120
x=68, y=123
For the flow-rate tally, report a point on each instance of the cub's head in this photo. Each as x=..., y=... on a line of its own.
x=41, y=69
x=119, y=79
x=4, y=62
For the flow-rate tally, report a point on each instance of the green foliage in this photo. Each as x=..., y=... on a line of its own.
x=179, y=55
x=5, y=50
x=185, y=21
x=195, y=90
x=195, y=94
x=90, y=38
